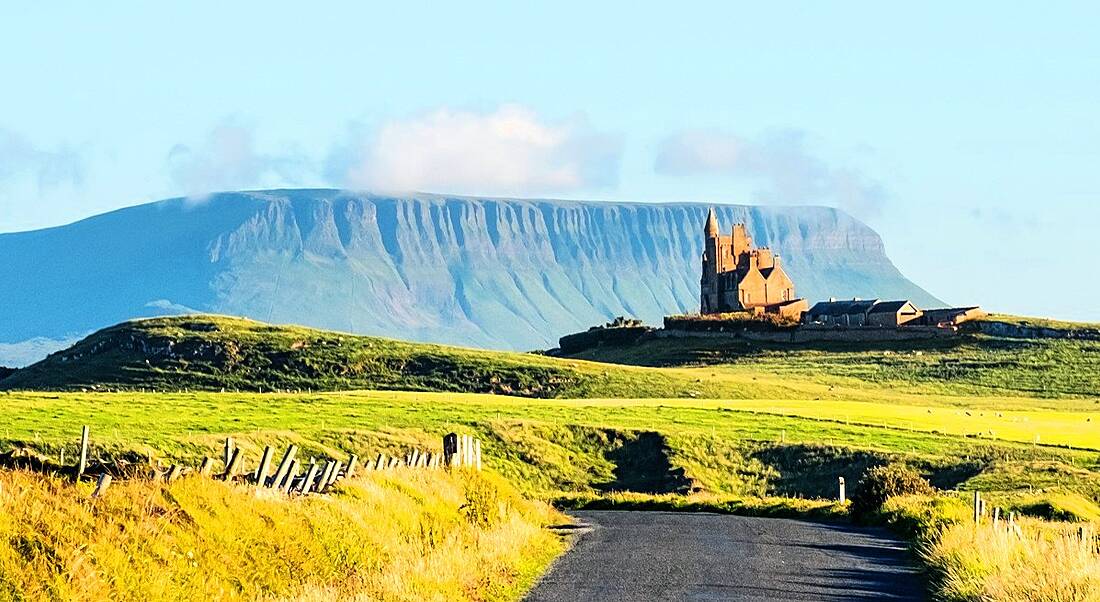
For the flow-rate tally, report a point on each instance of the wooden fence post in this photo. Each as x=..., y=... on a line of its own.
x=288, y=478
x=336, y=467
x=996, y=516
x=265, y=465
x=842, y=496
x=229, y=446
x=82, y=464
x=308, y=480
x=468, y=451
x=977, y=506
x=450, y=448
x=380, y=463
x=101, y=485
x=206, y=465
x=234, y=463
x=284, y=466
x=353, y=463
x=326, y=473
x=173, y=473
x=477, y=453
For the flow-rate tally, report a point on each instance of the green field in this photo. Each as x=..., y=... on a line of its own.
x=706, y=415
x=697, y=423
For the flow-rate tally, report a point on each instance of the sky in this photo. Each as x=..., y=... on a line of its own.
x=966, y=134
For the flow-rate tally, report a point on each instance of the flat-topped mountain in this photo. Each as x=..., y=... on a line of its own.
x=498, y=273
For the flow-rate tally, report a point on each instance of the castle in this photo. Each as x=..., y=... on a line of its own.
x=740, y=277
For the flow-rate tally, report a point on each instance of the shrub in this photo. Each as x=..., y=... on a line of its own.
x=880, y=483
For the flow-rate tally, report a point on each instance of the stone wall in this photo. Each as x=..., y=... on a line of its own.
x=816, y=335
x=1021, y=331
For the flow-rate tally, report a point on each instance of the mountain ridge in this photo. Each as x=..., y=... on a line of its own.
x=489, y=272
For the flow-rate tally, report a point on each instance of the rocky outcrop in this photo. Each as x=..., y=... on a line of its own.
x=512, y=274
x=1031, y=331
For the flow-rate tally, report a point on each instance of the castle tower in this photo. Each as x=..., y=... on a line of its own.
x=708, y=284
x=737, y=276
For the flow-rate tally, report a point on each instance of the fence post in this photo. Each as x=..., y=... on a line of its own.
x=477, y=453
x=234, y=462
x=353, y=463
x=173, y=473
x=205, y=466
x=380, y=462
x=336, y=466
x=977, y=506
x=229, y=446
x=996, y=516
x=101, y=485
x=450, y=448
x=284, y=466
x=82, y=463
x=288, y=478
x=308, y=480
x=468, y=451
x=322, y=479
x=265, y=465
x=842, y=496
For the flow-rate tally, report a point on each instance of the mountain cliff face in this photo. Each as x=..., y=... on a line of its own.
x=509, y=274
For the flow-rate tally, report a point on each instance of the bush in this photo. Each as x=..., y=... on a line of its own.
x=881, y=483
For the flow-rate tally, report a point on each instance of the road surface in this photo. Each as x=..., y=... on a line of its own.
x=688, y=556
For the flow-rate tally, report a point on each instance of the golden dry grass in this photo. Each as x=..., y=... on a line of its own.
x=1050, y=563
x=397, y=535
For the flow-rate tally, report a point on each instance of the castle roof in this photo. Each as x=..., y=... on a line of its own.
x=711, y=226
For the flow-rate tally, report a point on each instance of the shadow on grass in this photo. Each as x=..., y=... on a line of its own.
x=642, y=465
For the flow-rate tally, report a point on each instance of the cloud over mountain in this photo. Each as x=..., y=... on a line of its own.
x=511, y=150
x=228, y=158
x=781, y=162
x=46, y=168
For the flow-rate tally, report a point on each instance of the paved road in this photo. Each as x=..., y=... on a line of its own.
x=680, y=556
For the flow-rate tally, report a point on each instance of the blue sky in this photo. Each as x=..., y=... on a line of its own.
x=967, y=134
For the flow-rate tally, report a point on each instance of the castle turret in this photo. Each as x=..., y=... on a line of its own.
x=710, y=229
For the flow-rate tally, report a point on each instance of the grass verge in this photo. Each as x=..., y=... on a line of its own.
x=396, y=535
x=770, y=507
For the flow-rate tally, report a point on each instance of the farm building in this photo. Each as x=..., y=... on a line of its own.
x=857, y=313
x=840, y=313
x=951, y=316
x=888, y=314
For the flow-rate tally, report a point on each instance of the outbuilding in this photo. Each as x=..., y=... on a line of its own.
x=851, y=313
x=891, y=314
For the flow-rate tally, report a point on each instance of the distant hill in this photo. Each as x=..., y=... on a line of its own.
x=492, y=273
x=213, y=353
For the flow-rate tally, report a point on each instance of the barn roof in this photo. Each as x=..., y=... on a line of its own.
x=842, y=308
x=889, y=307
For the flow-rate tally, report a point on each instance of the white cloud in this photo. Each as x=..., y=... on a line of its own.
x=25, y=353
x=228, y=159
x=510, y=151
x=19, y=158
x=780, y=161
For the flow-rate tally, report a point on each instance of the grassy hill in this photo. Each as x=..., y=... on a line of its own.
x=760, y=428
x=972, y=364
x=215, y=353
